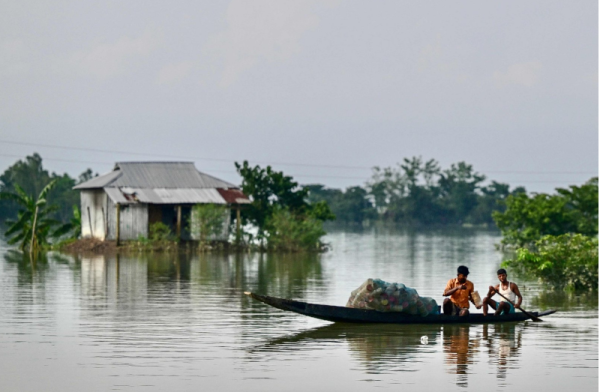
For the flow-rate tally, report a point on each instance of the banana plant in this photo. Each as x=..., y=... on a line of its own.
x=32, y=228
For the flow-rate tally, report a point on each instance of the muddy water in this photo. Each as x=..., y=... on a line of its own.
x=156, y=322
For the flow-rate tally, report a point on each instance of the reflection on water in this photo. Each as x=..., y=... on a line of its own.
x=377, y=348
x=181, y=321
x=503, y=342
x=459, y=350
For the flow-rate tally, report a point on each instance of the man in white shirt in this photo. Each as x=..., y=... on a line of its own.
x=508, y=289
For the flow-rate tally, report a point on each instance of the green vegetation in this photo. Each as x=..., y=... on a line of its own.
x=568, y=261
x=159, y=237
x=275, y=198
x=288, y=231
x=529, y=218
x=351, y=206
x=418, y=193
x=207, y=221
x=72, y=229
x=30, y=175
x=32, y=228
x=556, y=236
x=289, y=216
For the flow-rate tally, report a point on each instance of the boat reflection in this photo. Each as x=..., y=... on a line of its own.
x=381, y=348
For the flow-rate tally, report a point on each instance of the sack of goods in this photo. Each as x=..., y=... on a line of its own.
x=379, y=295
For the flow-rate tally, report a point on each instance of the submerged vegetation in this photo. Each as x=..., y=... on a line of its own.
x=548, y=232
x=568, y=261
x=33, y=226
x=280, y=211
x=555, y=236
x=529, y=218
x=208, y=222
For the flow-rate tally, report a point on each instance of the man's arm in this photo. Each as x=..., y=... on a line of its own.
x=515, y=289
x=448, y=291
x=492, y=291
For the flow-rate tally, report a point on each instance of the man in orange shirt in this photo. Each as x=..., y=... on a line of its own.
x=459, y=290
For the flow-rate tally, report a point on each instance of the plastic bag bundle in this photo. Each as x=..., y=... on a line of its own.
x=379, y=295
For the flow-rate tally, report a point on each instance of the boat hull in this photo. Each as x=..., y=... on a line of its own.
x=342, y=314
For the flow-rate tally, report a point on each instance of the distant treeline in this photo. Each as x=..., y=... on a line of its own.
x=419, y=193
x=30, y=175
x=415, y=192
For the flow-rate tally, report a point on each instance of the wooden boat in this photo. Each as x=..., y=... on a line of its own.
x=352, y=315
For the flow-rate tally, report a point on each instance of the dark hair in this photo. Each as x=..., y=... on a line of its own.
x=501, y=271
x=463, y=270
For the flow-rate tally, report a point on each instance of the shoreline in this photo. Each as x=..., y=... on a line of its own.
x=107, y=247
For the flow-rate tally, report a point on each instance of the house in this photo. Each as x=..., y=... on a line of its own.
x=122, y=204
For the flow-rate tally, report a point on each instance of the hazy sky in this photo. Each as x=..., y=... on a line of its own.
x=323, y=90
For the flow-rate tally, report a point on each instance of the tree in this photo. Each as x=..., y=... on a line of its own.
x=270, y=192
x=404, y=193
x=32, y=226
x=351, y=206
x=268, y=188
x=31, y=176
x=288, y=231
x=582, y=206
x=566, y=261
x=527, y=219
x=459, y=186
x=490, y=199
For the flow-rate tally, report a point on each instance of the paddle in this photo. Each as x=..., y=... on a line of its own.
x=518, y=307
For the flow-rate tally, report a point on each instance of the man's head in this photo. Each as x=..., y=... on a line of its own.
x=462, y=273
x=502, y=275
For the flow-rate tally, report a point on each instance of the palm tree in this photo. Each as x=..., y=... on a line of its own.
x=33, y=224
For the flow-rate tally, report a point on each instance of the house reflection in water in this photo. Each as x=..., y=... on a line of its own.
x=108, y=281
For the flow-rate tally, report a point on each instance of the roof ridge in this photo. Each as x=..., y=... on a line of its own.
x=148, y=162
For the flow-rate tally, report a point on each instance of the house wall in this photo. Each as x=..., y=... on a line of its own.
x=133, y=218
x=93, y=214
x=99, y=218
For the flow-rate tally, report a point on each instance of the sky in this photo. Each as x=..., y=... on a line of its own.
x=322, y=90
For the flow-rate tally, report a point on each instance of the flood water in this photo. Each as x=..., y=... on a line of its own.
x=181, y=323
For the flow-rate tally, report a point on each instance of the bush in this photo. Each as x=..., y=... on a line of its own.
x=207, y=221
x=159, y=232
x=527, y=219
x=294, y=232
x=567, y=261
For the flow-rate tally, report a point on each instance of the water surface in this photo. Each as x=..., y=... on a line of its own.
x=181, y=322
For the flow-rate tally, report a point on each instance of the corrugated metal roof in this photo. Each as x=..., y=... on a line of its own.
x=234, y=196
x=116, y=196
x=100, y=181
x=129, y=195
x=156, y=175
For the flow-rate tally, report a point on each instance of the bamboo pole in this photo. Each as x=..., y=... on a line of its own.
x=179, y=222
x=118, y=233
x=90, y=222
x=238, y=220
x=104, y=224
